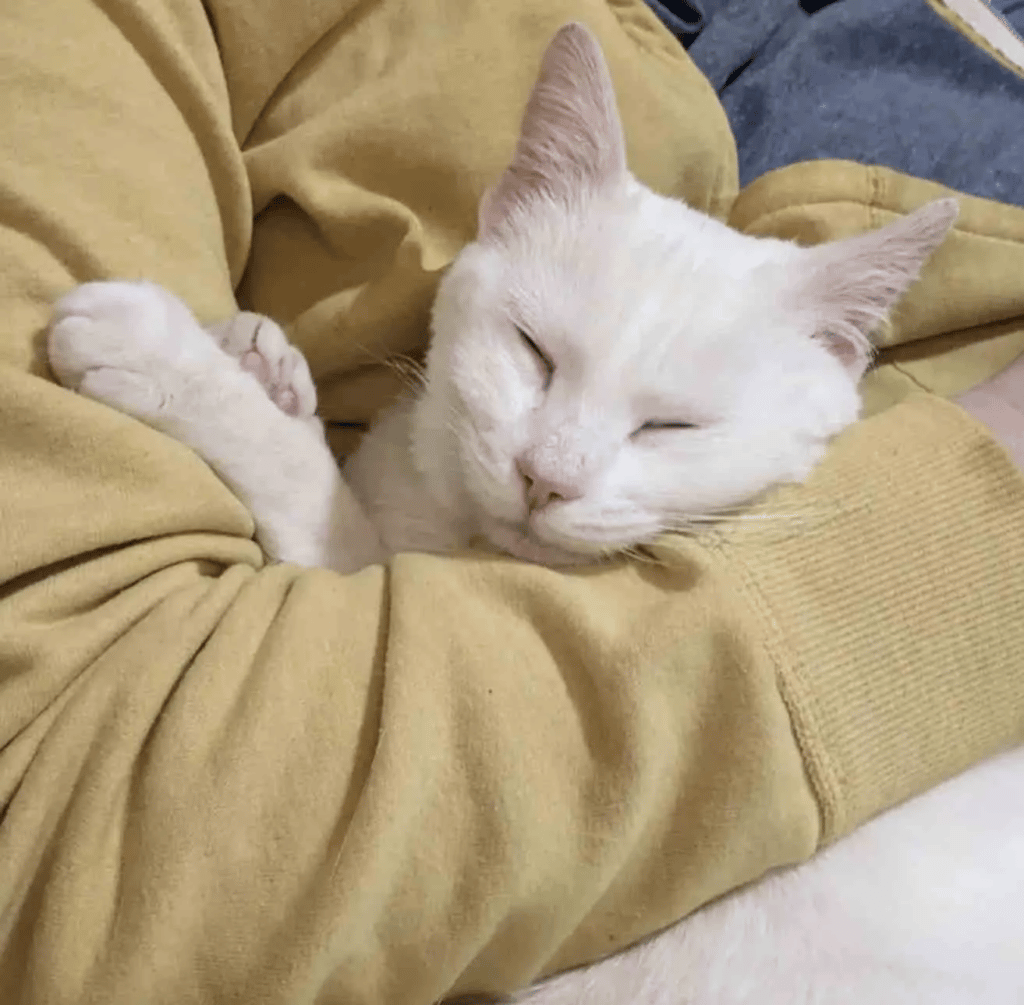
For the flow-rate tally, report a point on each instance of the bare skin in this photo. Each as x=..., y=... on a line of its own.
x=999, y=405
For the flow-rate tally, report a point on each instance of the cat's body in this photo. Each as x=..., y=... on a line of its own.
x=606, y=364
x=922, y=906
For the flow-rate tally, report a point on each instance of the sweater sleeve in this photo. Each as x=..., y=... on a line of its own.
x=878, y=617
x=223, y=781
x=458, y=772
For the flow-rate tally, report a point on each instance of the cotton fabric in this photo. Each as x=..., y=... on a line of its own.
x=228, y=781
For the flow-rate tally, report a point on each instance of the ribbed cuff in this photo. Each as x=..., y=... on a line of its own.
x=897, y=630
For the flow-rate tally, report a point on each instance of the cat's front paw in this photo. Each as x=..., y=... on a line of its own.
x=263, y=349
x=127, y=344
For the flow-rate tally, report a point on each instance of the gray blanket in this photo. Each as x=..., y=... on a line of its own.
x=875, y=81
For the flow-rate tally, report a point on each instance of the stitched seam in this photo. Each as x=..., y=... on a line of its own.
x=722, y=195
x=800, y=706
x=646, y=38
x=869, y=204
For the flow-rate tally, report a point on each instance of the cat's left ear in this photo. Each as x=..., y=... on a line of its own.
x=571, y=143
x=852, y=284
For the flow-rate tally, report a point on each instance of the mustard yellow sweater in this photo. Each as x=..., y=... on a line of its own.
x=223, y=781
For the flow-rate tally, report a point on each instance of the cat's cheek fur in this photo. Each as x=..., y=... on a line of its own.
x=491, y=483
x=820, y=398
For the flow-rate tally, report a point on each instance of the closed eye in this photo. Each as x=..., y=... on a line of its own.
x=651, y=427
x=541, y=356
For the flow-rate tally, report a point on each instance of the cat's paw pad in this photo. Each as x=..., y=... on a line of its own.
x=107, y=334
x=263, y=349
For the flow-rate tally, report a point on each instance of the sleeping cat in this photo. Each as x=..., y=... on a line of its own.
x=606, y=365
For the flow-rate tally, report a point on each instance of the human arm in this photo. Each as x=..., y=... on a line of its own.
x=998, y=404
x=227, y=780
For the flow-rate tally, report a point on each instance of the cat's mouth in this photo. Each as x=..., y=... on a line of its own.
x=518, y=541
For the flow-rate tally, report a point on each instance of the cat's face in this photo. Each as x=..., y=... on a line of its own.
x=608, y=364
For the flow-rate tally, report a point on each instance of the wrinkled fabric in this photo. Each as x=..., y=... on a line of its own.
x=223, y=781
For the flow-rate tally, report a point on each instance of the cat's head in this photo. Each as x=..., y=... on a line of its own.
x=607, y=363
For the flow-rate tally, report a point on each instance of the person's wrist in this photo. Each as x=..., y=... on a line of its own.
x=999, y=406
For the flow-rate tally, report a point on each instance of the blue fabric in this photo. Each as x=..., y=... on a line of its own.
x=684, y=20
x=875, y=81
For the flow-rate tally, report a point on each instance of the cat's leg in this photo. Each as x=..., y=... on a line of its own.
x=137, y=348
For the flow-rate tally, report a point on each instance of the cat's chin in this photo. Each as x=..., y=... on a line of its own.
x=511, y=540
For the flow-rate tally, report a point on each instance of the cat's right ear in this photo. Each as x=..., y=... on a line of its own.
x=571, y=143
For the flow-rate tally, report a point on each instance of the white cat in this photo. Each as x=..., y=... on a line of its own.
x=606, y=365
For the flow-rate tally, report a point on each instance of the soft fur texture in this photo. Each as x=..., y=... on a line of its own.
x=606, y=365
x=922, y=906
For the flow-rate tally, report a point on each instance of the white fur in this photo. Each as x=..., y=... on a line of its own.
x=645, y=311
x=137, y=347
x=922, y=906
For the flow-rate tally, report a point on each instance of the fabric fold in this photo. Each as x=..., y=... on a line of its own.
x=222, y=780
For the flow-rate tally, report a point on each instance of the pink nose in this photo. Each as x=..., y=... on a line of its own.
x=543, y=489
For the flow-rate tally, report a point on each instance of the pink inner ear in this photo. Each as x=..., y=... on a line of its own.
x=854, y=355
x=571, y=142
x=853, y=284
